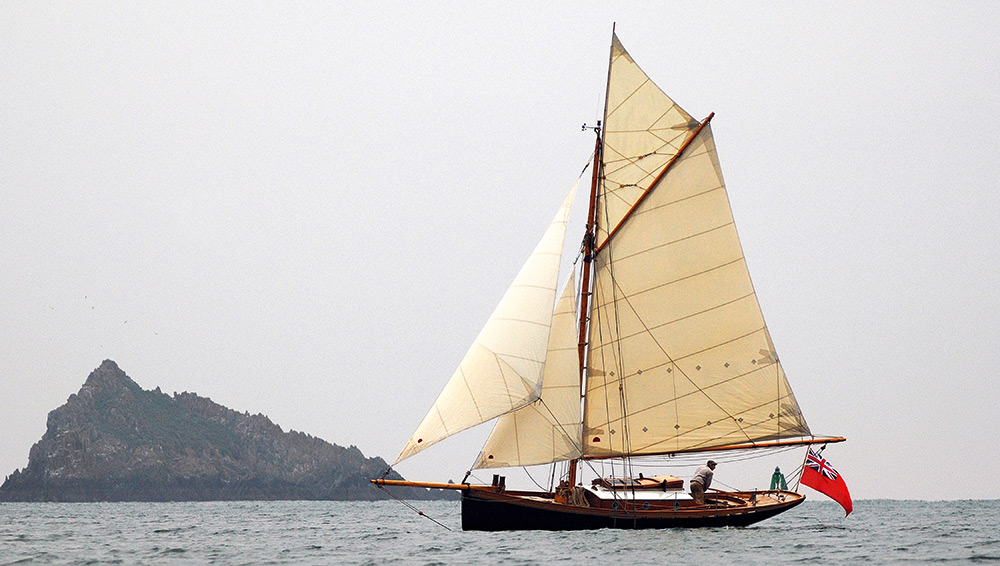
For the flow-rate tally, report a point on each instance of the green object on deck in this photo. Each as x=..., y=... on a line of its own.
x=778, y=479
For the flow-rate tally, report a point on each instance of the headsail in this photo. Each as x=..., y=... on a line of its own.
x=547, y=430
x=680, y=358
x=502, y=371
x=643, y=128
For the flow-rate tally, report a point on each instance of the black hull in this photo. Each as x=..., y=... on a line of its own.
x=483, y=511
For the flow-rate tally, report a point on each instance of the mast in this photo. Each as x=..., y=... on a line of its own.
x=588, y=256
x=589, y=243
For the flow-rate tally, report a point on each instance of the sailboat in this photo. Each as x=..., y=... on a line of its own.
x=656, y=345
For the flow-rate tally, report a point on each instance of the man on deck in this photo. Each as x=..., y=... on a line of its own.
x=701, y=481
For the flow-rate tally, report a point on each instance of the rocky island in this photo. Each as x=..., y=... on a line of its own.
x=114, y=441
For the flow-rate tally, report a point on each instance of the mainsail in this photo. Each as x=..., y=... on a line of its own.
x=679, y=356
x=502, y=371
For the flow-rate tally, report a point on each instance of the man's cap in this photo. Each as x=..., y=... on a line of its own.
x=712, y=463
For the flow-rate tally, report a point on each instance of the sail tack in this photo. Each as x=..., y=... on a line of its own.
x=548, y=429
x=502, y=371
x=680, y=358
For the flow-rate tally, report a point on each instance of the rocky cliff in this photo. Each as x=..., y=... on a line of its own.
x=114, y=441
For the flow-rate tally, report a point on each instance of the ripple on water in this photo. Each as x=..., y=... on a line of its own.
x=388, y=533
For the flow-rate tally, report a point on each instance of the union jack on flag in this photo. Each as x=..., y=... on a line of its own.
x=820, y=475
x=818, y=463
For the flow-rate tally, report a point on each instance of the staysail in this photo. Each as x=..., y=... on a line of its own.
x=502, y=371
x=548, y=429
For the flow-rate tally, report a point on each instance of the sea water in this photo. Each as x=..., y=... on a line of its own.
x=387, y=532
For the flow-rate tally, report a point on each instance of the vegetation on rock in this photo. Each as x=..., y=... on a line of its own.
x=114, y=441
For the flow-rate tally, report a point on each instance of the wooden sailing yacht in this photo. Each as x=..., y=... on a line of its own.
x=662, y=351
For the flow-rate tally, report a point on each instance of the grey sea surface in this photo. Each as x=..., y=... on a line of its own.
x=387, y=532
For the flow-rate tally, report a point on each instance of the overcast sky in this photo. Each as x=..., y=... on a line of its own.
x=308, y=210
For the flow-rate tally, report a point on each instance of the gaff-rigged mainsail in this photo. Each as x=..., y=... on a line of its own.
x=679, y=356
x=502, y=371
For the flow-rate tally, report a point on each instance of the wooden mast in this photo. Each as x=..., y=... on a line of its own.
x=589, y=243
x=588, y=256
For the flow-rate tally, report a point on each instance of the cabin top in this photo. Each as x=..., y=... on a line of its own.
x=654, y=482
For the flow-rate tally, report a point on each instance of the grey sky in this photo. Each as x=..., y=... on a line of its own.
x=308, y=210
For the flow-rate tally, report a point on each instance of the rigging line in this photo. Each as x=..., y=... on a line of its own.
x=745, y=411
x=796, y=477
x=671, y=360
x=802, y=468
x=473, y=476
x=559, y=425
x=585, y=166
x=527, y=473
x=619, y=362
x=413, y=507
x=724, y=484
x=599, y=315
x=692, y=458
x=625, y=161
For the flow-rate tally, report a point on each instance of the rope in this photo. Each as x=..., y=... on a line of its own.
x=618, y=363
x=411, y=506
x=797, y=475
x=527, y=473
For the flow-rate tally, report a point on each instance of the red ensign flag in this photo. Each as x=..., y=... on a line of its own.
x=820, y=475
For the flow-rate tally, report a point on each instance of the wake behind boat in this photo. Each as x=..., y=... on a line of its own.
x=662, y=350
